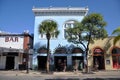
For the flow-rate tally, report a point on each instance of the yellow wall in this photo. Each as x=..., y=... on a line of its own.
x=106, y=45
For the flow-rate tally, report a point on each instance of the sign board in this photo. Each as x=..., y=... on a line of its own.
x=12, y=42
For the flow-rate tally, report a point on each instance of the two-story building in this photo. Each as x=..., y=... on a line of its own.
x=61, y=49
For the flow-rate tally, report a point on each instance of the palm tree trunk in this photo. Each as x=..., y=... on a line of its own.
x=47, y=64
x=48, y=47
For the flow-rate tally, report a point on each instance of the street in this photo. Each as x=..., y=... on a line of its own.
x=18, y=75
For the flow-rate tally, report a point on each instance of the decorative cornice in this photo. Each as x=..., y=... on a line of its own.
x=22, y=34
x=60, y=11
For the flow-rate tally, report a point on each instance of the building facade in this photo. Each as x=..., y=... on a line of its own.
x=14, y=49
x=105, y=53
x=61, y=49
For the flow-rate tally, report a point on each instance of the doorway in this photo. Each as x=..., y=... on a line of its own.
x=79, y=62
x=42, y=62
x=58, y=61
x=100, y=60
x=10, y=62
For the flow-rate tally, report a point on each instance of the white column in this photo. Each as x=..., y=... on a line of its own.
x=3, y=62
x=30, y=61
x=16, y=60
x=34, y=61
x=69, y=60
x=52, y=60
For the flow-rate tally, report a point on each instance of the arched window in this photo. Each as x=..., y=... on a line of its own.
x=60, y=50
x=70, y=24
x=42, y=49
x=98, y=51
x=116, y=51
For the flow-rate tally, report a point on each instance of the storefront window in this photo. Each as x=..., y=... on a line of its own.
x=116, y=58
x=116, y=51
x=119, y=60
x=61, y=50
x=68, y=24
x=114, y=62
x=77, y=50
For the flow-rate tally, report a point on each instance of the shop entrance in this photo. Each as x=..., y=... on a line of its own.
x=100, y=61
x=59, y=61
x=42, y=62
x=98, y=58
x=78, y=61
x=10, y=62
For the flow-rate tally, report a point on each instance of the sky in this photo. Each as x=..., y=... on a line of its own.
x=17, y=15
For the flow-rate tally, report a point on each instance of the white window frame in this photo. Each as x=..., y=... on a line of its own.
x=65, y=26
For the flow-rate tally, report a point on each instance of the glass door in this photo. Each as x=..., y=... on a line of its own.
x=114, y=61
x=119, y=62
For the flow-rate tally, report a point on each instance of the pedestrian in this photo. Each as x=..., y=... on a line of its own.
x=96, y=65
x=64, y=66
x=59, y=65
x=75, y=66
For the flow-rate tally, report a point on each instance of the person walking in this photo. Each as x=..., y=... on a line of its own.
x=75, y=66
x=64, y=66
x=96, y=65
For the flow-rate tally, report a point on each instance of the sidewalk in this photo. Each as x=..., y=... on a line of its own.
x=38, y=73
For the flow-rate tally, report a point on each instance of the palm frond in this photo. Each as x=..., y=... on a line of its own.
x=50, y=27
x=116, y=39
x=116, y=31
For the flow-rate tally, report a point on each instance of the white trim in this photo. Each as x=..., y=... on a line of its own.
x=60, y=11
x=42, y=54
x=60, y=55
x=78, y=54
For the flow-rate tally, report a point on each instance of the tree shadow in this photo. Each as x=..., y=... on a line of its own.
x=107, y=44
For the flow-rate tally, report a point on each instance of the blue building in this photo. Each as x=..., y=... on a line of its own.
x=61, y=49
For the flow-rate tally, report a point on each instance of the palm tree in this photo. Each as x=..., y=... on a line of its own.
x=49, y=28
x=117, y=38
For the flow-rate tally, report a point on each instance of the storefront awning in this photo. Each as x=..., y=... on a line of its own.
x=98, y=50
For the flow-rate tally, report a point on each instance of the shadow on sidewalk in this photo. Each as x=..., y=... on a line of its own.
x=44, y=72
x=87, y=72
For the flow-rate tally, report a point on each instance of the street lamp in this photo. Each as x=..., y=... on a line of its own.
x=27, y=60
